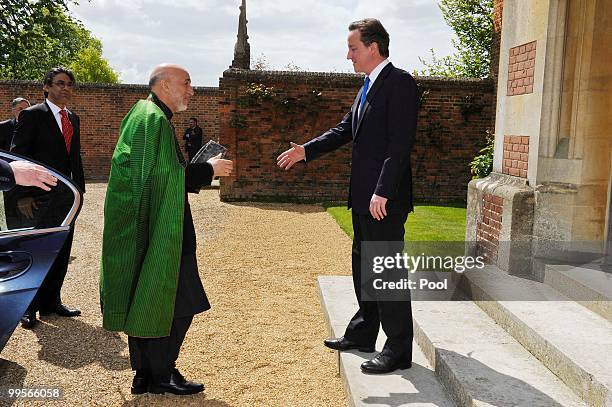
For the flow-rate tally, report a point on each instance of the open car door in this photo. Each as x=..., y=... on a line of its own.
x=34, y=225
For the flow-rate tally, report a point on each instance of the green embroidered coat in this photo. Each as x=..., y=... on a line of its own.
x=143, y=226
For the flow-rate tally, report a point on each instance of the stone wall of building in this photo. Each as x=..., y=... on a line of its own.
x=102, y=107
x=261, y=112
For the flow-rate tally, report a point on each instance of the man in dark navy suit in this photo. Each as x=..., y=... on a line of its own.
x=50, y=134
x=382, y=126
x=7, y=127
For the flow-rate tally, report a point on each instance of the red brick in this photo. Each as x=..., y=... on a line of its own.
x=529, y=89
x=523, y=174
x=522, y=49
x=514, y=172
x=524, y=157
x=532, y=55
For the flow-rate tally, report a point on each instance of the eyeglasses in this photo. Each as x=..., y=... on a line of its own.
x=62, y=84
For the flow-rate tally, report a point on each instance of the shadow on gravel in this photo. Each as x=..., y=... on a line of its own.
x=11, y=375
x=72, y=344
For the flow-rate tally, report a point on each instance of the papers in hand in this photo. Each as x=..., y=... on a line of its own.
x=208, y=151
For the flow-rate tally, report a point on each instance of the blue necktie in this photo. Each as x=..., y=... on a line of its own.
x=366, y=85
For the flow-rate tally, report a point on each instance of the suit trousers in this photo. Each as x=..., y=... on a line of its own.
x=394, y=316
x=48, y=296
x=159, y=355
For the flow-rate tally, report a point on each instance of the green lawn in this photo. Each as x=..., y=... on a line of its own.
x=427, y=223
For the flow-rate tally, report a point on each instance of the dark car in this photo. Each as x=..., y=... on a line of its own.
x=33, y=227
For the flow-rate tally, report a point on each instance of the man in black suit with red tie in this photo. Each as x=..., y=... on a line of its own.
x=50, y=134
x=382, y=126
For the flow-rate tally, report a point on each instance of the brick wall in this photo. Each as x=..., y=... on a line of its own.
x=298, y=106
x=488, y=229
x=516, y=156
x=521, y=68
x=102, y=107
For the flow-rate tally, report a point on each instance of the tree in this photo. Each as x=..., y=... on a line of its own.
x=472, y=22
x=38, y=35
x=89, y=66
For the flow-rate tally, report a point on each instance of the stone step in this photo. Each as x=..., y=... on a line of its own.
x=571, y=341
x=417, y=386
x=480, y=363
x=590, y=286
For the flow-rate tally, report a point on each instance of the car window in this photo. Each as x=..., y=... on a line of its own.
x=27, y=208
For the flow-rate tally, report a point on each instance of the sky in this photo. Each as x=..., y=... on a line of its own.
x=200, y=34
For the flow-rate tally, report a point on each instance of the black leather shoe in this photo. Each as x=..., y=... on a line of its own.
x=62, y=311
x=140, y=384
x=177, y=378
x=384, y=364
x=345, y=344
x=172, y=388
x=28, y=320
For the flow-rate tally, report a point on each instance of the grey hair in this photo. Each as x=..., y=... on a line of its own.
x=155, y=79
x=17, y=101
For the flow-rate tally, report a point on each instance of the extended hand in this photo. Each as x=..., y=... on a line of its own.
x=221, y=167
x=378, y=207
x=295, y=154
x=32, y=175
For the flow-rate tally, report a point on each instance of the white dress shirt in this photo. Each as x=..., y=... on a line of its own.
x=375, y=72
x=55, y=109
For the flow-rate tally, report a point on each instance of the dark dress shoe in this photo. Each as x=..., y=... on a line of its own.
x=62, y=311
x=344, y=344
x=177, y=378
x=384, y=364
x=172, y=388
x=28, y=320
x=140, y=384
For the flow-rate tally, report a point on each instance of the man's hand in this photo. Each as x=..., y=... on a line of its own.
x=295, y=154
x=27, y=206
x=32, y=175
x=221, y=167
x=378, y=207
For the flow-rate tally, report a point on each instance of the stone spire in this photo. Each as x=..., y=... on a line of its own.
x=242, y=49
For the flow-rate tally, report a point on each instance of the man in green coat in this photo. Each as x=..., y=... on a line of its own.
x=149, y=282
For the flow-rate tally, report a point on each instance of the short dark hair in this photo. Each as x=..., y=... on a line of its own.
x=17, y=101
x=194, y=119
x=56, y=71
x=371, y=30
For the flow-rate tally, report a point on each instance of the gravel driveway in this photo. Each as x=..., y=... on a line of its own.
x=259, y=345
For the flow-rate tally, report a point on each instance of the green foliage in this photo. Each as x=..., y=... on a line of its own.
x=482, y=165
x=472, y=22
x=38, y=35
x=258, y=92
x=90, y=66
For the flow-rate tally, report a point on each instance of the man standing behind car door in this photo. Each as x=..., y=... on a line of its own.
x=50, y=134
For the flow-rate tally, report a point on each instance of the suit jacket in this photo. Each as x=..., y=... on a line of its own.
x=382, y=137
x=7, y=128
x=38, y=136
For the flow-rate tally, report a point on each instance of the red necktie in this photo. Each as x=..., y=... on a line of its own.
x=67, y=129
